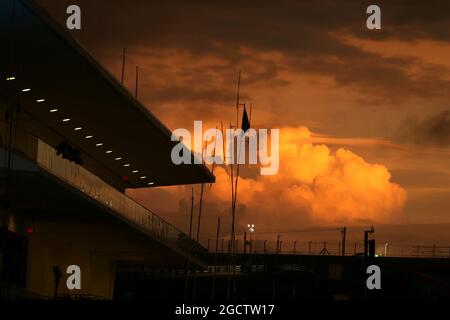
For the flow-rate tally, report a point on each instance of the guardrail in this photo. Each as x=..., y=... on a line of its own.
x=326, y=248
x=126, y=208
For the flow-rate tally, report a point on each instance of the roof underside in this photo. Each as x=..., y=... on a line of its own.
x=43, y=57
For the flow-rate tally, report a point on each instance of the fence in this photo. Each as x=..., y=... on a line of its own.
x=325, y=248
x=119, y=203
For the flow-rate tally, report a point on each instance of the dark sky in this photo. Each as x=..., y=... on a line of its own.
x=364, y=115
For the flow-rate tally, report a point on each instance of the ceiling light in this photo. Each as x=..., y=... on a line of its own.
x=77, y=128
x=126, y=165
x=66, y=120
x=118, y=158
x=40, y=100
x=26, y=90
x=144, y=177
x=151, y=183
x=89, y=137
x=53, y=110
x=99, y=144
x=135, y=171
x=10, y=78
x=108, y=151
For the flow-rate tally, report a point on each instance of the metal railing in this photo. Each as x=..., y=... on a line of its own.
x=326, y=248
x=126, y=208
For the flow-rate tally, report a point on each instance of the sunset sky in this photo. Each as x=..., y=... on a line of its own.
x=364, y=115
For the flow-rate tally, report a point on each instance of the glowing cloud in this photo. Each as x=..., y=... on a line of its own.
x=318, y=186
x=314, y=186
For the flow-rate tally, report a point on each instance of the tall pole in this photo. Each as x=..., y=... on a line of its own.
x=236, y=186
x=366, y=241
x=278, y=243
x=137, y=82
x=223, y=144
x=344, y=235
x=233, y=191
x=245, y=242
x=192, y=212
x=213, y=287
x=200, y=213
x=214, y=155
x=237, y=99
x=123, y=64
x=217, y=234
x=201, y=202
x=232, y=201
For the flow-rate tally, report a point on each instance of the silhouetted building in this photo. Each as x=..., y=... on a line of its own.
x=72, y=139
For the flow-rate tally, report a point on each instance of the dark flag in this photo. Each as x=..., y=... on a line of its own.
x=245, y=123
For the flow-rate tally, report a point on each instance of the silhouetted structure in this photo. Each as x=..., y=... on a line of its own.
x=72, y=139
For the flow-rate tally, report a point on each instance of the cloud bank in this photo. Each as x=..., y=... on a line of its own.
x=315, y=186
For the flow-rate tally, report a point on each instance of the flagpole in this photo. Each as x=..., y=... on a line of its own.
x=232, y=199
x=237, y=170
x=238, y=148
x=214, y=156
x=232, y=223
x=233, y=192
x=233, y=232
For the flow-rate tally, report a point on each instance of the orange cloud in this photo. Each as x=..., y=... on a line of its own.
x=314, y=186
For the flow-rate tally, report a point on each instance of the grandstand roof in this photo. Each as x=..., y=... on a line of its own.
x=41, y=56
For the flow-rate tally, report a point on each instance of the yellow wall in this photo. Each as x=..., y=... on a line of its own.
x=93, y=247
